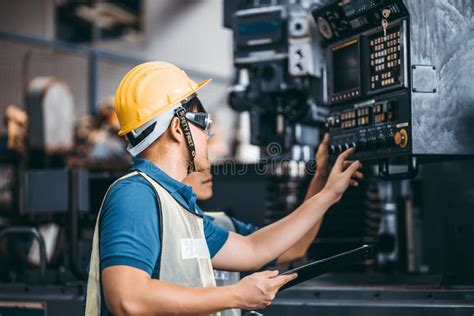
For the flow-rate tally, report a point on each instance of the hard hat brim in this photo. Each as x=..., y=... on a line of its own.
x=128, y=129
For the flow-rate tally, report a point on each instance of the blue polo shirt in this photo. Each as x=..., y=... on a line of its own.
x=129, y=223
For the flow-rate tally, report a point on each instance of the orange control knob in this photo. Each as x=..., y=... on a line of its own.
x=401, y=138
x=398, y=138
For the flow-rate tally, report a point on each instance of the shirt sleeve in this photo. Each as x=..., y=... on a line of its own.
x=242, y=228
x=215, y=236
x=129, y=228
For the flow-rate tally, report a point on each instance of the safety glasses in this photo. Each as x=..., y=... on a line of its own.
x=202, y=120
x=196, y=114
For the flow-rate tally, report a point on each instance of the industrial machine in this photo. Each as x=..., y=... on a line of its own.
x=393, y=80
x=394, y=87
x=288, y=112
x=278, y=72
x=278, y=80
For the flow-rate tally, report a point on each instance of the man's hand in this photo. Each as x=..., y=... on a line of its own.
x=323, y=168
x=258, y=290
x=343, y=174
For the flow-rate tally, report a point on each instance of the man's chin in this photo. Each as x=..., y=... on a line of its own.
x=205, y=197
x=210, y=191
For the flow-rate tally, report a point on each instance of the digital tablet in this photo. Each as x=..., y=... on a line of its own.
x=319, y=267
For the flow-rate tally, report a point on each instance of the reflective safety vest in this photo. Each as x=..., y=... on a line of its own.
x=184, y=258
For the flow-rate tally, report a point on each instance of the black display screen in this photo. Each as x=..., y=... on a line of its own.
x=346, y=67
x=260, y=27
x=267, y=27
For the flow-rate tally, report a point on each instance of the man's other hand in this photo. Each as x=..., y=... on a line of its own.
x=343, y=174
x=258, y=290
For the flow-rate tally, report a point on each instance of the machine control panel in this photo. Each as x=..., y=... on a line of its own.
x=366, y=65
x=376, y=128
x=367, y=80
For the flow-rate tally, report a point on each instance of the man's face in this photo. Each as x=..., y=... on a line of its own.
x=201, y=182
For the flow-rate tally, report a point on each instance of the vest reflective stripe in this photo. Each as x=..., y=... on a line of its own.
x=183, y=260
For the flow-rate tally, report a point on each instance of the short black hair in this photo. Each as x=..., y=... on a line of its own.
x=194, y=105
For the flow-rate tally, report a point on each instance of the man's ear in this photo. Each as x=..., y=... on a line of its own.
x=174, y=131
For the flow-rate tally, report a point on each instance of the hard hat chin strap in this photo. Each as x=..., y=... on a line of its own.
x=180, y=113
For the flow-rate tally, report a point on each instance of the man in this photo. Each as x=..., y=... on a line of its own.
x=153, y=253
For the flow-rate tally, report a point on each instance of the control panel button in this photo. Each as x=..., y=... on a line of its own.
x=340, y=149
x=401, y=138
x=325, y=28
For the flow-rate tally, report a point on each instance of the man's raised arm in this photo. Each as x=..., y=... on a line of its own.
x=251, y=252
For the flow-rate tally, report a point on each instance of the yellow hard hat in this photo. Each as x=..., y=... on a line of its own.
x=150, y=89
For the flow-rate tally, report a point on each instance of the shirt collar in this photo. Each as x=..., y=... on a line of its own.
x=182, y=193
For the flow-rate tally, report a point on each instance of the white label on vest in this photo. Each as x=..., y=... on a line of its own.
x=194, y=248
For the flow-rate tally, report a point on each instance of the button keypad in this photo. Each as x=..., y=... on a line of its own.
x=385, y=59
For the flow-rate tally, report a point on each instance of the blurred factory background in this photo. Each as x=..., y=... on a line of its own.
x=92, y=50
x=284, y=72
